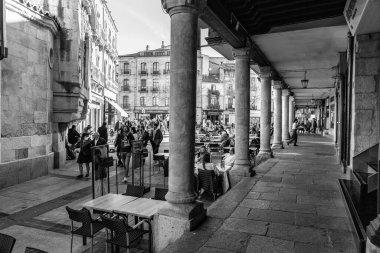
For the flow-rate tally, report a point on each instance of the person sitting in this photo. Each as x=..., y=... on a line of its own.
x=228, y=160
x=202, y=155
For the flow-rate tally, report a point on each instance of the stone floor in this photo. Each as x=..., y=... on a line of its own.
x=292, y=205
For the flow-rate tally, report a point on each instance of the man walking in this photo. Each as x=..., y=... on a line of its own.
x=156, y=138
x=103, y=131
x=294, y=133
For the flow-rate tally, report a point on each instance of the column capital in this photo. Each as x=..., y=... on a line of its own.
x=180, y=6
x=241, y=53
x=266, y=72
x=291, y=98
x=285, y=92
x=277, y=85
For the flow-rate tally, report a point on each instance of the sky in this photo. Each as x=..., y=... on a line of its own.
x=141, y=23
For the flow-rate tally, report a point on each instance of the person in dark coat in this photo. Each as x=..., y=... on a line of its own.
x=103, y=131
x=126, y=150
x=73, y=136
x=98, y=141
x=144, y=136
x=156, y=138
x=118, y=146
x=84, y=157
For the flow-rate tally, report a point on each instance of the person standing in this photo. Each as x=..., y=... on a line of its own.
x=103, y=132
x=126, y=150
x=144, y=136
x=84, y=157
x=156, y=138
x=118, y=146
x=294, y=133
x=73, y=136
x=314, y=126
x=98, y=141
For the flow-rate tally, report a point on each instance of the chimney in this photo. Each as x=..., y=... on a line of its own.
x=163, y=44
x=147, y=47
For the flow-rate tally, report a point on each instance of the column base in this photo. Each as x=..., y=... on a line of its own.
x=277, y=146
x=262, y=156
x=180, y=198
x=173, y=220
x=239, y=171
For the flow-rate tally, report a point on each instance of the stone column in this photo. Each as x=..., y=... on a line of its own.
x=277, y=133
x=265, y=118
x=285, y=115
x=291, y=110
x=181, y=213
x=242, y=96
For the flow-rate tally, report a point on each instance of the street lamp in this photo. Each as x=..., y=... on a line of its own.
x=304, y=82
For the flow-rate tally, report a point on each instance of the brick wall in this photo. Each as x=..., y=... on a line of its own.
x=366, y=92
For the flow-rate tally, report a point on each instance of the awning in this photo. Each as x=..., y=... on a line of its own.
x=118, y=107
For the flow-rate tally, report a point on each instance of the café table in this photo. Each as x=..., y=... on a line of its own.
x=108, y=202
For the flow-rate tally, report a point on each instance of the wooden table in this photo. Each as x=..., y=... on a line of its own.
x=141, y=207
x=162, y=154
x=108, y=202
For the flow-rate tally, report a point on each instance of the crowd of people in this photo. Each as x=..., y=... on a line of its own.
x=127, y=131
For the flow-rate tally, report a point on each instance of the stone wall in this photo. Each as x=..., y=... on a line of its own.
x=26, y=100
x=366, y=93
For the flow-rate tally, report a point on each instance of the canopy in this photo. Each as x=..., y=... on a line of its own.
x=118, y=107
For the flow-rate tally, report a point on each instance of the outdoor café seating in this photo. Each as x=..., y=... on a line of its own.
x=33, y=250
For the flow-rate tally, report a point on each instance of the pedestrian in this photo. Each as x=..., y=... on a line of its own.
x=126, y=150
x=118, y=146
x=294, y=133
x=87, y=129
x=156, y=138
x=73, y=136
x=308, y=126
x=103, y=132
x=314, y=126
x=98, y=141
x=144, y=136
x=84, y=157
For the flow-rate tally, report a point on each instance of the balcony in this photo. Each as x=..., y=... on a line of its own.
x=214, y=107
x=125, y=88
x=166, y=71
x=156, y=72
x=165, y=90
x=230, y=107
x=127, y=72
x=143, y=73
x=143, y=90
x=155, y=89
x=126, y=106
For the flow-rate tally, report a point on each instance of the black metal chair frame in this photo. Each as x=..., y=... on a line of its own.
x=118, y=226
x=33, y=250
x=89, y=226
x=7, y=243
x=208, y=176
x=159, y=193
x=134, y=191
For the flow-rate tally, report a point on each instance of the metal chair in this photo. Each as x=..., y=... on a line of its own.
x=209, y=182
x=159, y=194
x=6, y=243
x=89, y=226
x=122, y=235
x=160, y=159
x=134, y=191
x=166, y=151
x=33, y=250
x=166, y=169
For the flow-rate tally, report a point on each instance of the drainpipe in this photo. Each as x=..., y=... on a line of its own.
x=3, y=24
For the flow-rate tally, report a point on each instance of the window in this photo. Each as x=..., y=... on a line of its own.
x=167, y=68
x=253, y=84
x=213, y=87
x=155, y=85
x=155, y=101
x=155, y=68
x=109, y=72
x=166, y=101
x=143, y=85
x=125, y=86
x=126, y=68
x=97, y=61
x=143, y=67
x=142, y=101
x=125, y=102
x=213, y=100
x=230, y=103
x=230, y=87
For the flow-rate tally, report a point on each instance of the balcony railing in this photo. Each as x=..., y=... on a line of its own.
x=143, y=72
x=126, y=106
x=166, y=71
x=127, y=71
x=143, y=89
x=230, y=107
x=155, y=89
x=156, y=72
x=214, y=107
x=125, y=88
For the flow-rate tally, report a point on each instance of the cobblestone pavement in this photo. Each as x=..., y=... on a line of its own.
x=292, y=205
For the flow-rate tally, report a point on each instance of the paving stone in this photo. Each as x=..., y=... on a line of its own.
x=228, y=240
x=311, y=248
x=253, y=195
x=258, y=188
x=342, y=240
x=320, y=201
x=279, y=197
x=332, y=211
x=267, y=178
x=262, y=244
x=212, y=250
x=247, y=226
x=241, y=212
x=310, y=220
x=297, y=233
x=253, y=203
x=272, y=216
x=292, y=207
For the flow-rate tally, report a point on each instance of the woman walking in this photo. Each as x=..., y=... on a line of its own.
x=84, y=154
x=126, y=150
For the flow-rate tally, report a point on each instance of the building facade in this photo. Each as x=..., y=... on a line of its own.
x=144, y=80
x=145, y=83
x=46, y=81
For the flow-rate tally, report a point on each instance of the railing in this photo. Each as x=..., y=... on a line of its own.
x=156, y=72
x=230, y=107
x=143, y=72
x=127, y=71
x=166, y=71
x=125, y=88
x=143, y=90
x=126, y=106
x=214, y=107
x=155, y=89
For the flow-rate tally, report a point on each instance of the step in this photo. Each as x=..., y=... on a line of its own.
x=373, y=168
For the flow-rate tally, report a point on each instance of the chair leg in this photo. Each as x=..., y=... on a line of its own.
x=71, y=244
x=84, y=240
x=92, y=244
